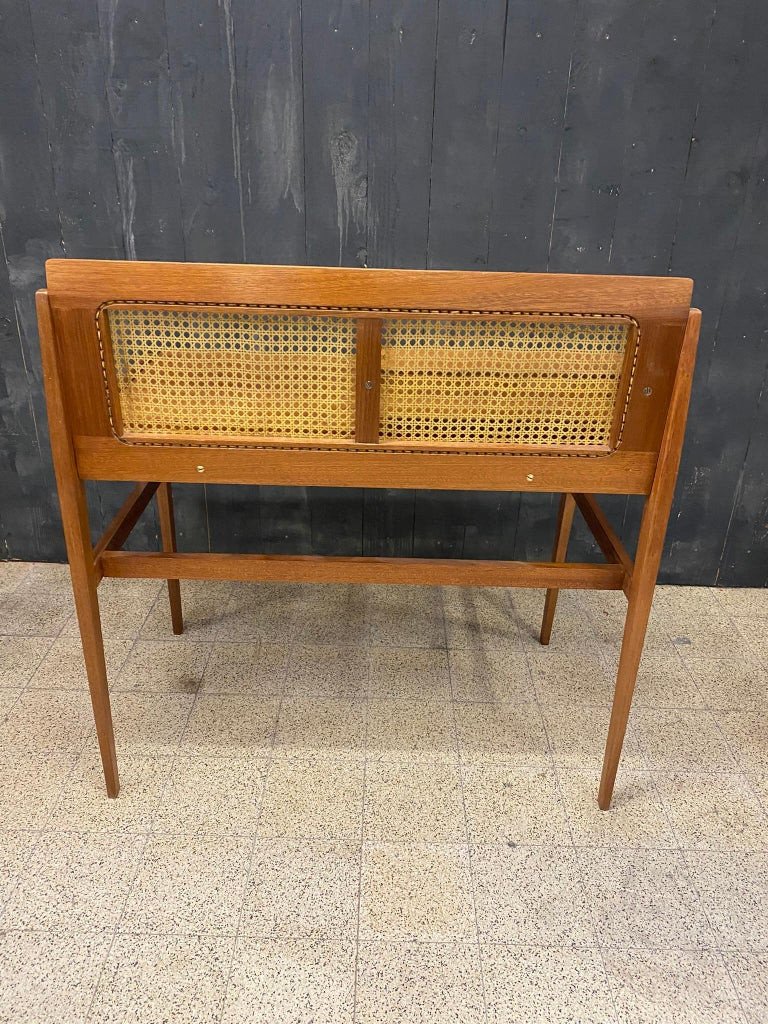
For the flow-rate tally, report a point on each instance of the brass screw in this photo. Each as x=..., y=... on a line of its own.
x=529, y=477
x=647, y=392
x=369, y=385
x=200, y=469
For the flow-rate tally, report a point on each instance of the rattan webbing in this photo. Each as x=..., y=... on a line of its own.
x=529, y=382
x=544, y=382
x=223, y=374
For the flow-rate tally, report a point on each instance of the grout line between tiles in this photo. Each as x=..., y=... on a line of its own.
x=460, y=772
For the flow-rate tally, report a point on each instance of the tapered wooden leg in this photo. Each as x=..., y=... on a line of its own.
x=638, y=610
x=89, y=620
x=168, y=535
x=74, y=518
x=562, y=536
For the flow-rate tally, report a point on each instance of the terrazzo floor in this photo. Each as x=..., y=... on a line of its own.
x=378, y=805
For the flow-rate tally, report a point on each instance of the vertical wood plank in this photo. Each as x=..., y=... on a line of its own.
x=271, y=119
x=470, y=48
x=595, y=132
x=721, y=241
x=30, y=233
x=536, y=77
x=206, y=131
x=335, y=75
x=135, y=46
x=403, y=39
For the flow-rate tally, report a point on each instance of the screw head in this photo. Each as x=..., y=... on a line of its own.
x=369, y=385
x=529, y=477
x=647, y=392
x=200, y=469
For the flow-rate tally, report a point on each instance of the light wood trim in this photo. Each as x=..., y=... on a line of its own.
x=607, y=539
x=649, y=550
x=74, y=282
x=106, y=458
x=327, y=569
x=367, y=381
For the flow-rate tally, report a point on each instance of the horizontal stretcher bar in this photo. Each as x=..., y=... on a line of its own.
x=329, y=569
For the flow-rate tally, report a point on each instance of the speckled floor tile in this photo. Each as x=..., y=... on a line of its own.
x=664, y=681
x=203, y=605
x=490, y=675
x=48, y=979
x=78, y=882
x=124, y=606
x=47, y=722
x=637, y=818
x=335, y=614
x=309, y=726
x=713, y=812
x=148, y=979
x=312, y=798
x=188, y=884
x=15, y=849
x=291, y=981
x=19, y=657
x=653, y=986
x=416, y=892
x=644, y=898
x=571, y=679
x=30, y=786
x=83, y=805
x=729, y=684
x=682, y=740
x=410, y=672
x=684, y=607
x=747, y=736
x=8, y=700
x=754, y=635
x=544, y=986
x=149, y=724
x=405, y=616
x=12, y=575
x=231, y=726
x=577, y=735
x=213, y=796
x=571, y=632
x=509, y=804
x=710, y=638
x=154, y=666
x=502, y=733
x=63, y=667
x=749, y=974
x=413, y=803
x=530, y=894
x=481, y=617
x=253, y=668
x=37, y=608
x=316, y=670
x=418, y=984
x=260, y=611
x=751, y=602
x=302, y=890
x=734, y=894
x=411, y=730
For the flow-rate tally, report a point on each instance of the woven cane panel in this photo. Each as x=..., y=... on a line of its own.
x=233, y=373
x=544, y=382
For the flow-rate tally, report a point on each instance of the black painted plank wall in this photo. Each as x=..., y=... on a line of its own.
x=618, y=136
